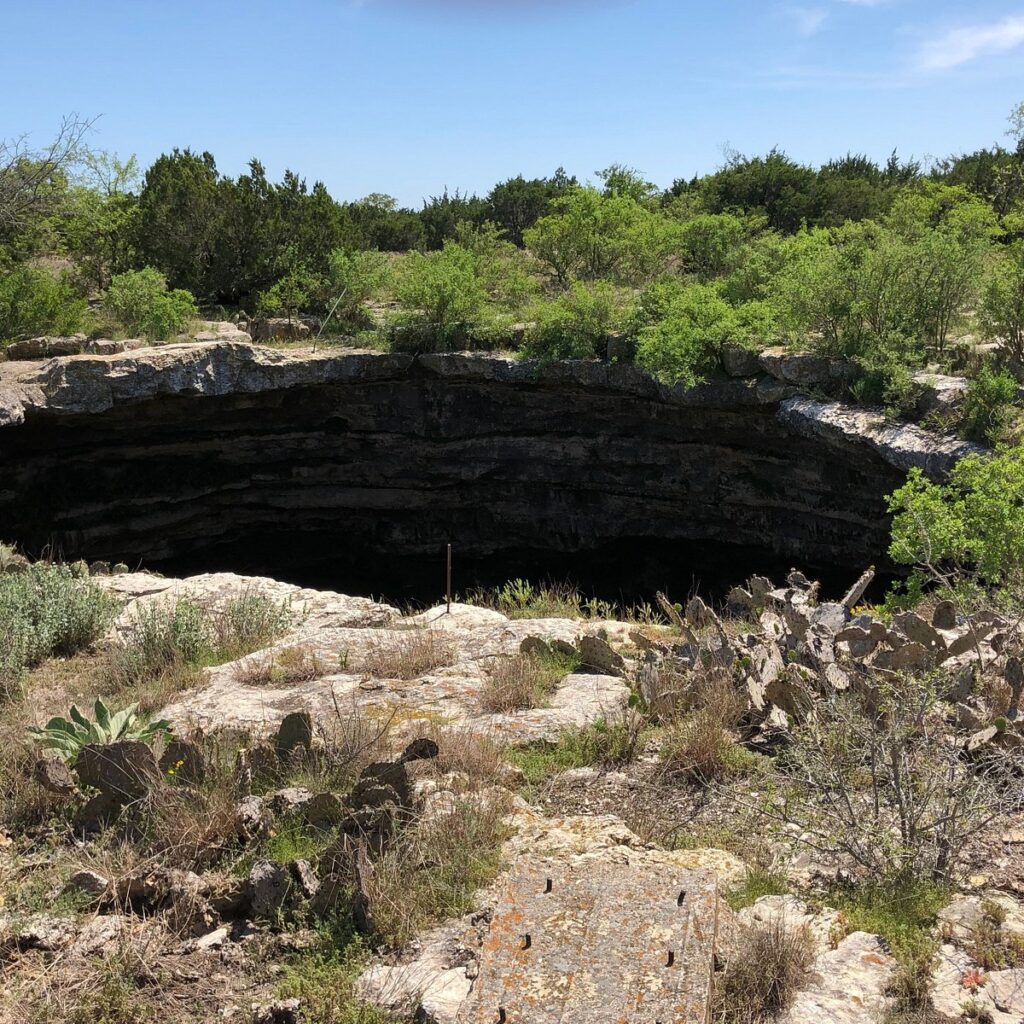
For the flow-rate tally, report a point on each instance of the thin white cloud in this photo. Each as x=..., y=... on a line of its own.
x=809, y=21
x=961, y=45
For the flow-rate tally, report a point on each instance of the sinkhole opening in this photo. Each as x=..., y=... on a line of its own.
x=624, y=572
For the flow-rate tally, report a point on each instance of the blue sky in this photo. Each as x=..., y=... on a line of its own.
x=409, y=96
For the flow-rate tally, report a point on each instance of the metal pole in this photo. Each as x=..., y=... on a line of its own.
x=329, y=315
x=448, y=588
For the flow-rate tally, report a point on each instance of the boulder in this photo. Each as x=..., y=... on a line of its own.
x=324, y=809
x=597, y=654
x=90, y=882
x=184, y=761
x=739, y=361
x=46, y=348
x=939, y=393
x=278, y=328
x=944, y=616
x=125, y=770
x=294, y=734
x=806, y=370
x=54, y=776
x=269, y=885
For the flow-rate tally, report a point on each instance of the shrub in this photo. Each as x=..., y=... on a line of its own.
x=874, y=777
x=1002, y=309
x=45, y=611
x=973, y=524
x=289, y=294
x=353, y=276
x=442, y=298
x=988, y=406
x=67, y=736
x=434, y=869
x=34, y=302
x=885, y=379
x=711, y=244
x=685, y=344
x=166, y=639
x=577, y=324
x=140, y=302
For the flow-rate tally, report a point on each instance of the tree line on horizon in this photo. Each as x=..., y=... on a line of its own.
x=878, y=263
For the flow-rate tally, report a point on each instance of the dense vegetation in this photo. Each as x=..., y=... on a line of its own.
x=885, y=265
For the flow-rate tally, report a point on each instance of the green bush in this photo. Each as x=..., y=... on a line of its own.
x=577, y=324
x=46, y=611
x=34, y=302
x=442, y=300
x=290, y=294
x=1002, y=310
x=685, y=344
x=141, y=304
x=711, y=244
x=885, y=379
x=972, y=524
x=353, y=276
x=988, y=405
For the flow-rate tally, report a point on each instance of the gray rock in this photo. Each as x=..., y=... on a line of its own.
x=917, y=629
x=739, y=361
x=269, y=885
x=47, y=933
x=294, y=734
x=806, y=370
x=184, y=761
x=291, y=800
x=939, y=393
x=46, y=348
x=253, y=818
x=944, y=616
x=305, y=877
x=597, y=655
x=125, y=770
x=97, y=812
x=324, y=809
x=54, y=776
x=91, y=882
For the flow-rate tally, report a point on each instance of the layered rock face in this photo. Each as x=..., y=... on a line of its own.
x=187, y=451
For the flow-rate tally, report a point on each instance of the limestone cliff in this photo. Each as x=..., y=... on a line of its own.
x=189, y=449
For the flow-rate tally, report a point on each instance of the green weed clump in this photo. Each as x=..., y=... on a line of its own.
x=167, y=643
x=46, y=611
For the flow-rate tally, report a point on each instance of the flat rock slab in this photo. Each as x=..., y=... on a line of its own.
x=599, y=943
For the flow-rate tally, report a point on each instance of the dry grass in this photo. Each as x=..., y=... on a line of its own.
x=699, y=745
x=413, y=655
x=517, y=683
x=280, y=668
x=434, y=869
x=763, y=974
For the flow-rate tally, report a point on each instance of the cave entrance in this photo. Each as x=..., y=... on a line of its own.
x=625, y=572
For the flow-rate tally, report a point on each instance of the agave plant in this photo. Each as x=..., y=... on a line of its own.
x=67, y=736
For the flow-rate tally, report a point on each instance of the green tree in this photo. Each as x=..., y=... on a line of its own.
x=518, y=203
x=972, y=524
x=179, y=219
x=33, y=302
x=442, y=214
x=442, y=298
x=590, y=235
x=142, y=304
x=577, y=323
x=1002, y=309
x=711, y=244
x=685, y=344
x=290, y=294
x=99, y=219
x=353, y=277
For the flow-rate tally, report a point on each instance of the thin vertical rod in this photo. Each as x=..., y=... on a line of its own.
x=448, y=587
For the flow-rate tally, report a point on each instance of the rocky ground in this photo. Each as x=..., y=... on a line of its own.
x=369, y=815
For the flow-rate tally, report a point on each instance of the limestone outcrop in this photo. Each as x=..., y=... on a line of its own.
x=210, y=450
